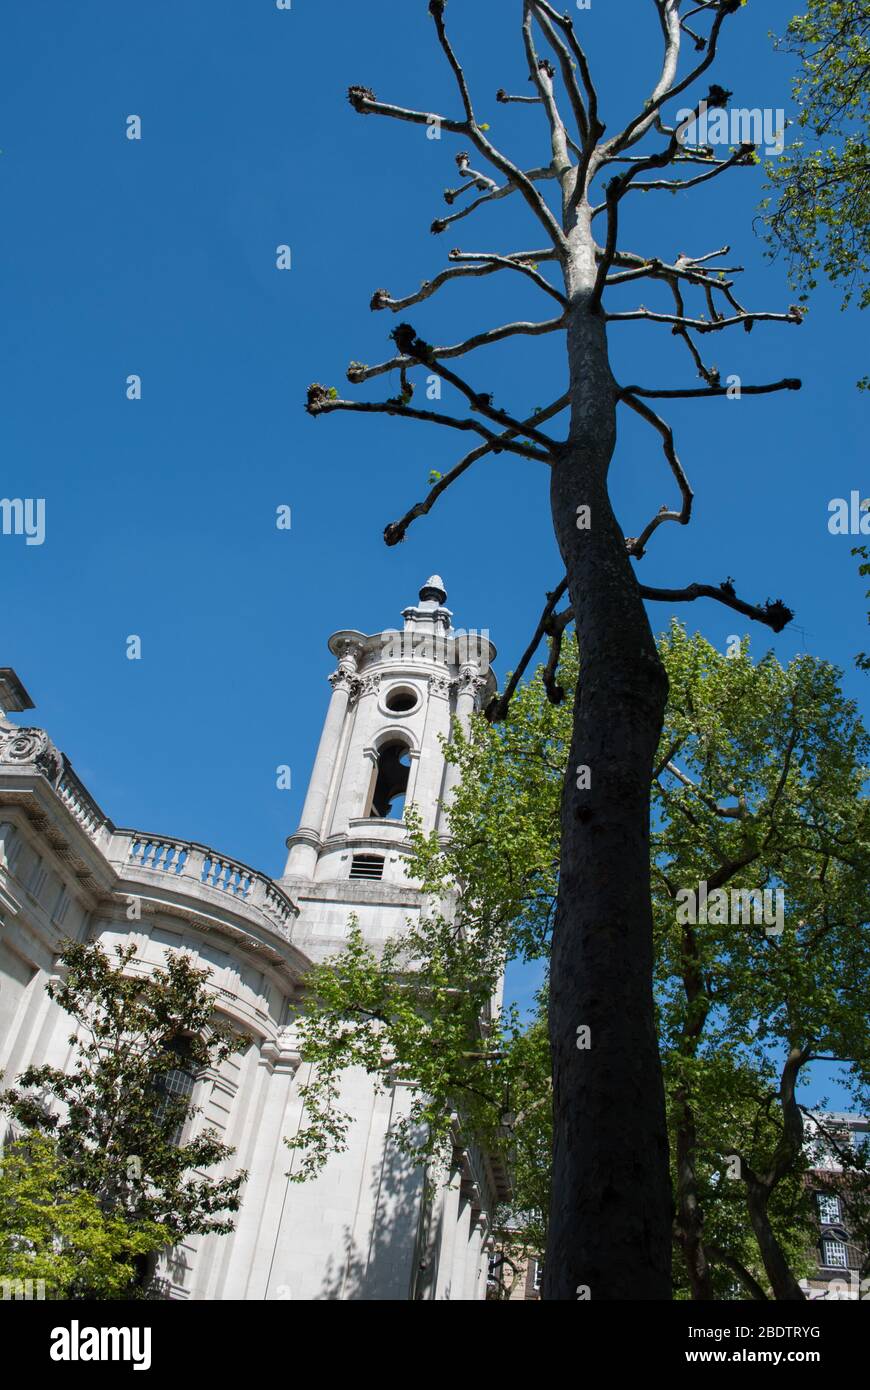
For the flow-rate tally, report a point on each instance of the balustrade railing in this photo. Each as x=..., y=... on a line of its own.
x=188, y=863
x=181, y=861
x=79, y=801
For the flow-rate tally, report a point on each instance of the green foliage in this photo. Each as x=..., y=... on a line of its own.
x=54, y=1233
x=114, y=1125
x=862, y=660
x=759, y=785
x=820, y=212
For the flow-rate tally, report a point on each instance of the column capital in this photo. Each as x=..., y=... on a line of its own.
x=441, y=686
x=470, y=681
x=344, y=679
x=349, y=653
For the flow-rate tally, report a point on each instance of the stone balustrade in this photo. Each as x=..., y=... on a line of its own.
x=77, y=799
x=192, y=866
x=131, y=852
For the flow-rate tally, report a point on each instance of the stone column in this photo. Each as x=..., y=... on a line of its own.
x=459, y=1272
x=476, y=1270
x=302, y=858
x=485, y=1256
x=469, y=685
x=447, y=1242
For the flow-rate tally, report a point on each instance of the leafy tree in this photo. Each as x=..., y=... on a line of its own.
x=821, y=217
x=609, y=1103
x=57, y=1234
x=757, y=786
x=114, y=1115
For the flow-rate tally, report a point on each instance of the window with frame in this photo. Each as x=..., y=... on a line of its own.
x=538, y=1277
x=174, y=1086
x=828, y=1205
x=834, y=1254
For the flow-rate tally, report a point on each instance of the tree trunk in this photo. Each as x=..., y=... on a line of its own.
x=610, y=1221
x=690, y=1218
x=786, y=1288
x=759, y=1190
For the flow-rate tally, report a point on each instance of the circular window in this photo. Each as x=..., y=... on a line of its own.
x=402, y=699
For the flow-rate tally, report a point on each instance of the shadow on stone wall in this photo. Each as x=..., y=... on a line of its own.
x=384, y=1264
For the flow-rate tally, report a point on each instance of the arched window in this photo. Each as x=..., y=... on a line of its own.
x=390, y=782
x=175, y=1086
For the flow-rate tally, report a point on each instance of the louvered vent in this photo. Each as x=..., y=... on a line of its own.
x=367, y=866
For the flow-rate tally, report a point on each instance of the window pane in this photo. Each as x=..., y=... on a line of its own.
x=834, y=1254
x=829, y=1207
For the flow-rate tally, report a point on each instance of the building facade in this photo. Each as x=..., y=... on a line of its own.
x=368, y=1227
x=840, y=1257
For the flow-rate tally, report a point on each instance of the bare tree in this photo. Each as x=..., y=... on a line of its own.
x=610, y=1223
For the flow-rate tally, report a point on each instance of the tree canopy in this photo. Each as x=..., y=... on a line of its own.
x=820, y=212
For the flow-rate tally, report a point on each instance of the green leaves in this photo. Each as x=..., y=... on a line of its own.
x=114, y=1127
x=822, y=217
x=53, y=1232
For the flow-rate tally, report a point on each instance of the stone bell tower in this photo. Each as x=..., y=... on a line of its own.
x=395, y=696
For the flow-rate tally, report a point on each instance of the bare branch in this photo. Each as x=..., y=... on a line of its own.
x=705, y=325
x=739, y=158
x=493, y=335
x=479, y=264
x=566, y=24
x=496, y=158
x=515, y=262
x=420, y=352
x=478, y=180
x=684, y=268
x=710, y=374
x=436, y=9
x=555, y=630
x=542, y=74
x=568, y=75
x=774, y=613
x=702, y=392
x=395, y=531
x=666, y=89
x=365, y=103
x=637, y=546
x=498, y=706
x=534, y=175
x=609, y=253
x=320, y=402
x=506, y=99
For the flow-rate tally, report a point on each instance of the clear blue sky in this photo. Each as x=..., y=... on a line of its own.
x=157, y=257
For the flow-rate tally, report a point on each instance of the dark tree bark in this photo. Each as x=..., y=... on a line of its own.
x=610, y=1219
x=690, y=1218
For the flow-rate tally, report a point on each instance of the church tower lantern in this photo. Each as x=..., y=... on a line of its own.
x=396, y=696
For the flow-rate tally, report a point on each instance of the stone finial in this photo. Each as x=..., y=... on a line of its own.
x=434, y=589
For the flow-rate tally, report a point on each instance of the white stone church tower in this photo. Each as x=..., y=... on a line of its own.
x=365, y=1228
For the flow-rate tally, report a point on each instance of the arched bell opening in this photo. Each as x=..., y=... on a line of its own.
x=390, y=781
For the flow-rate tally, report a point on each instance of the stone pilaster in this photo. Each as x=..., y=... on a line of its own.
x=306, y=842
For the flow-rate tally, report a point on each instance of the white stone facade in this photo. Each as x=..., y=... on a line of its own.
x=364, y=1229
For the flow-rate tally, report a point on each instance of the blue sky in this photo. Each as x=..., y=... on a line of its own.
x=157, y=257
